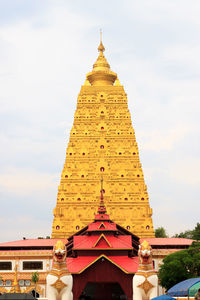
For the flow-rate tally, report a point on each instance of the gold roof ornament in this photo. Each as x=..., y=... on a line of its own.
x=101, y=74
x=87, y=83
x=117, y=82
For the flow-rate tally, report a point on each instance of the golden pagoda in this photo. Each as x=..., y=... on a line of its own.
x=102, y=144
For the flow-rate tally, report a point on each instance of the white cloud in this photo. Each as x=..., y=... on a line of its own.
x=158, y=140
x=168, y=11
x=19, y=227
x=186, y=172
x=26, y=181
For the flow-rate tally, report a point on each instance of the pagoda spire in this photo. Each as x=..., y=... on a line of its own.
x=101, y=74
x=102, y=213
x=102, y=142
x=101, y=47
x=102, y=208
x=102, y=192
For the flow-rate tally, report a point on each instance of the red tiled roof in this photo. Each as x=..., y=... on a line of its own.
x=102, y=217
x=101, y=226
x=27, y=251
x=125, y=263
x=112, y=242
x=32, y=243
x=168, y=241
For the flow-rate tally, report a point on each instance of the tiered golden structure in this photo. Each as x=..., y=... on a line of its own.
x=102, y=144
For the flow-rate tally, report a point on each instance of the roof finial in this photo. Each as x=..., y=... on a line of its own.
x=100, y=35
x=101, y=214
x=101, y=74
x=102, y=209
x=101, y=48
x=101, y=189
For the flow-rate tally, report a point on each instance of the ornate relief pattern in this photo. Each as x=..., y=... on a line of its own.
x=146, y=286
x=59, y=285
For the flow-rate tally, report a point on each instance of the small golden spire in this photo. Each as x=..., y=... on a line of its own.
x=102, y=208
x=87, y=83
x=101, y=189
x=117, y=82
x=101, y=182
x=101, y=47
x=101, y=74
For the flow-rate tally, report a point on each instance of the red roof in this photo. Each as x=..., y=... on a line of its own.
x=80, y=263
x=32, y=243
x=101, y=226
x=28, y=251
x=168, y=241
x=102, y=242
x=102, y=217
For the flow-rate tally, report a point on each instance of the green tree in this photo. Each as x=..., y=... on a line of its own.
x=190, y=234
x=196, y=232
x=160, y=232
x=180, y=266
x=35, y=279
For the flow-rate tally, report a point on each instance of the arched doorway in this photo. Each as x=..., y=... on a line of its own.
x=102, y=291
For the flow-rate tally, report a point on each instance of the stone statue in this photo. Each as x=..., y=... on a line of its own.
x=59, y=280
x=145, y=280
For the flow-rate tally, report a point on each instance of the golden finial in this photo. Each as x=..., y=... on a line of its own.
x=117, y=82
x=101, y=188
x=102, y=209
x=101, y=182
x=101, y=74
x=87, y=83
x=101, y=46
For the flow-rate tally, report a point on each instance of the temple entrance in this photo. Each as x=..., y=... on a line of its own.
x=102, y=291
x=95, y=282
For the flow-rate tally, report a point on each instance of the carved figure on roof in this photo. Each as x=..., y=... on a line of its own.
x=59, y=280
x=145, y=280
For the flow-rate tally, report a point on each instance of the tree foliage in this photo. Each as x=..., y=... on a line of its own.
x=35, y=277
x=180, y=266
x=196, y=232
x=160, y=232
x=190, y=234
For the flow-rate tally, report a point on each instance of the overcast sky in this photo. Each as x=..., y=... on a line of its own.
x=46, y=49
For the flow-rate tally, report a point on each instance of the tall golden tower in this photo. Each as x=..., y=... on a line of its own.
x=102, y=144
